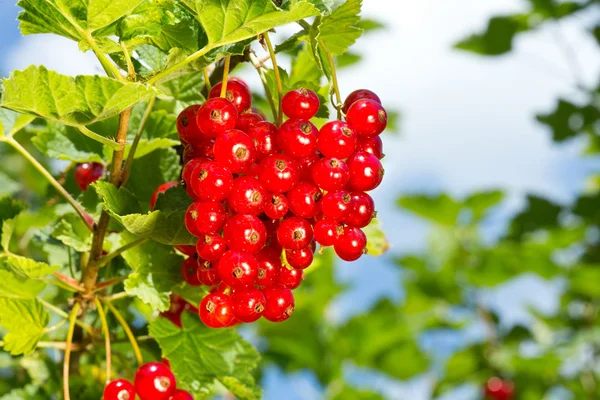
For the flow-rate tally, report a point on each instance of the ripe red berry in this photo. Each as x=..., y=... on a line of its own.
x=304, y=200
x=187, y=126
x=300, y=104
x=216, y=116
x=245, y=233
x=237, y=92
x=269, y=265
x=336, y=139
x=248, y=196
x=299, y=259
x=372, y=145
x=211, y=181
x=207, y=273
x=235, y=150
x=362, y=210
x=119, y=389
x=205, y=217
x=276, y=206
x=279, y=303
x=264, y=136
x=190, y=152
x=295, y=233
x=87, y=173
x=336, y=205
x=248, y=304
x=278, y=173
x=205, y=149
x=297, y=138
x=154, y=381
x=189, y=271
x=359, y=94
x=366, y=172
x=498, y=389
x=181, y=394
x=161, y=189
x=188, y=250
x=305, y=166
x=247, y=120
x=330, y=174
x=216, y=310
x=290, y=278
x=327, y=232
x=238, y=269
x=367, y=118
x=351, y=244
x=211, y=247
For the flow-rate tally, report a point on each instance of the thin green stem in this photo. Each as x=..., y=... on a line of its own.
x=106, y=259
x=225, y=76
x=104, y=324
x=69, y=341
x=334, y=80
x=55, y=327
x=206, y=79
x=99, y=138
x=116, y=296
x=63, y=314
x=138, y=136
x=193, y=57
x=258, y=66
x=109, y=67
x=128, y=332
x=130, y=67
x=71, y=270
x=59, y=188
x=277, y=77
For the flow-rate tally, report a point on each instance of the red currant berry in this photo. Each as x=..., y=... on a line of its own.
x=87, y=173
x=327, y=232
x=336, y=205
x=237, y=92
x=235, y=150
x=305, y=199
x=367, y=118
x=278, y=173
x=299, y=259
x=238, y=269
x=119, y=389
x=186, y=249
x=247, y=120
x=248, y=304
x=359, y=94
x=216, y=116
x=211, y=247
x=276, y=206
x=279, y=303
x=305, y=166
x=186, y=172
x=187, y=126
x=269, y=265
x=161, y=189
x=181, y=395
x=372, y=145
x=248, y=196
x=362, y=210
x=300, y=104
x=190, y=152
x=297, y=138
x=207, y=272
x=366, y=172
x=498, y=389
x=336, y=139
x=205, y=217
x=206, y=149
x=189, y=271
x=245, y=233
x=351, y=244
x=222, y=288
x=211, y=181
x=154, y=381
x=264, y=135
x=294, y=233
x=290, y=278
x=330, y=174
x=216, y=310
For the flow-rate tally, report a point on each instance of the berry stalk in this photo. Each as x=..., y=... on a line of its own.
x=106, y=332
x=128, y=332
x=69, y=341
x=277, y=77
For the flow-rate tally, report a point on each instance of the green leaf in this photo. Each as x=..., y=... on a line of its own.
x=569, y=120
x=200, y=356
x=339, y=30
x=73, y=232
x=25, y=320
x=160, y=131
x=583, y=280
x=14, y=286
x=481, y=203
x=377, y=243
x=13, y=121
x=539, y=214
x=497, y=38
x=28, y=267
x=156, y=269
x=72, y=101
x=348, y=392
x=9, y=208
x=8, y=185
x=67, y=143
x=441, y=209
x=152, y=170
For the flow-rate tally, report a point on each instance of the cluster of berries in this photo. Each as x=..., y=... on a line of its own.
x=499, y=389
x=262, y=193
x=153, y=381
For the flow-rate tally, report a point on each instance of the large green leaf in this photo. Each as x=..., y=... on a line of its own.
x=28, y=267
x=67, y=143
x=18, y=287
x=441, y=209
x=12, y=122
x=201, y=356
x=152, y=170
x=497, y=38
x=339, y=30
x=73, y=232
x=25, y=320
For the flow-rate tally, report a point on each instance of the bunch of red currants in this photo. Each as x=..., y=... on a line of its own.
x=264, y=193
x=153, y=381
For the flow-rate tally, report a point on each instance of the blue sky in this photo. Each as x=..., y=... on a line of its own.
x=467, y=125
